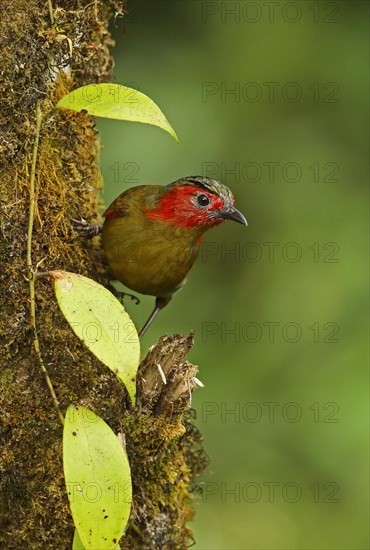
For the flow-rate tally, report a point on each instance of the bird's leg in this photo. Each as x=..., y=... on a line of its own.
x=85, y=229
x=149, y=321
x=160, y=303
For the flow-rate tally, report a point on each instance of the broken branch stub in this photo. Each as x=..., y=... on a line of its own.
x=166, y=378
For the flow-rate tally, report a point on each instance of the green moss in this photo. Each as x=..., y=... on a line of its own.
x=34, y=511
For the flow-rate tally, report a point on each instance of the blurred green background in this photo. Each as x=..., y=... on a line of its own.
x=271, y=98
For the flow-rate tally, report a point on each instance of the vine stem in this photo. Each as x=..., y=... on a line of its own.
x=51, y=13
x=31, y=272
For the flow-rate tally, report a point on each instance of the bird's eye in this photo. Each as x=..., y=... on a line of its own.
x=203, y=200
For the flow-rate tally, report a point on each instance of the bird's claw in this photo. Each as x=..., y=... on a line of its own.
x=85, y=229
x=132, y=296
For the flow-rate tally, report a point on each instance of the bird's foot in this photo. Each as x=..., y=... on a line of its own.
x=85, y=229
x=122, y=295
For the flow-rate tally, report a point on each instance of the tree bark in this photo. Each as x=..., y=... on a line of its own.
x=46, y=50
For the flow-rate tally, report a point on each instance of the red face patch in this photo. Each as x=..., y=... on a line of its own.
x=188, y=206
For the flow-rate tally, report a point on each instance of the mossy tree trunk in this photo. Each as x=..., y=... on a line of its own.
x=46, y=50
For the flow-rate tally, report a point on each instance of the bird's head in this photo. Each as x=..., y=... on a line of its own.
x=195, y=201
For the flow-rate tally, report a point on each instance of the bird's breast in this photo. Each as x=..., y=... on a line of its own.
x=150, y=258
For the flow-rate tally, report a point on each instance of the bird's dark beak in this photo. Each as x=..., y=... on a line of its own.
x=233, y=214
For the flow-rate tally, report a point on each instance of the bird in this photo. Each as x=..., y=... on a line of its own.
x=152, y=234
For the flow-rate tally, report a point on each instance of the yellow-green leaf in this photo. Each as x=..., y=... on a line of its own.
x=98, y=480
x=77, y=544
x=115, y=101
x=101, y=322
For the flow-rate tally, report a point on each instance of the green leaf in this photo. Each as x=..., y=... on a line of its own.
x=98, y=480
x=115, y=101
x=101, y=322
x=77, y=544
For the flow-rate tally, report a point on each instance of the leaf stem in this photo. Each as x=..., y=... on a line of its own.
x=31, y=273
